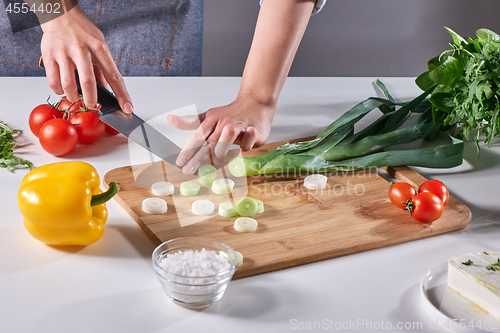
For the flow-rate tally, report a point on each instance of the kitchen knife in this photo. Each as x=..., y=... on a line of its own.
x=133, y=126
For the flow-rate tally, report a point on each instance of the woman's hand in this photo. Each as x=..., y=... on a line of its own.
x=245, y=122
x=71, y=42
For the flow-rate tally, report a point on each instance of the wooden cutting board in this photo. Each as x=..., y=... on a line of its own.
x=298, y=226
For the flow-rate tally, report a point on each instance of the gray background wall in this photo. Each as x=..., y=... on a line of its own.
x=350, y=37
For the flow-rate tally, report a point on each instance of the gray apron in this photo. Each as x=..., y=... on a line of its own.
x=145, y=37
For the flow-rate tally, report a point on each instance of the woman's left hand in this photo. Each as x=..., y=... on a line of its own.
x=245, y=122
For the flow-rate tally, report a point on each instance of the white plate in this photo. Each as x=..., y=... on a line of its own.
x=452, y=310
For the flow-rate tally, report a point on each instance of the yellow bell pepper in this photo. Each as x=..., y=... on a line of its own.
x=63, y=205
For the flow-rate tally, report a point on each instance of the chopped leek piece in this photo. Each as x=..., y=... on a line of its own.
x=315, y=182
x=247, y=207
x=162, y=189
x=245, y=224
x=239, y=258
x=228, y=209
x=261, y=206
x=190, y=188
x=222, y=186
x=203, y=207
x=154, y=206
x=207, y=174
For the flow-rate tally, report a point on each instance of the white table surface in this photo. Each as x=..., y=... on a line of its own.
x=110, y=286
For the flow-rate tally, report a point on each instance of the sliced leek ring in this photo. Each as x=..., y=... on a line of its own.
x=239, y=258
x=245, y=224
x=203, y=207
x=154, y=206
x=207, y=174
x=260, y=204
x=162, y=189
x=189, y=189
x=247, y=207
x=222, y=186
x=228, y=209
x=315, y=182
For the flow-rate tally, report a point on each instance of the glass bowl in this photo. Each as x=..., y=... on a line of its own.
x=194, y=292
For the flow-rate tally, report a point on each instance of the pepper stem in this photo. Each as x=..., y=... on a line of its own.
x=105, y=196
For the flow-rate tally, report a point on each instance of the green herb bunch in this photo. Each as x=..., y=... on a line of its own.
x=468, y=86
x=8, y=144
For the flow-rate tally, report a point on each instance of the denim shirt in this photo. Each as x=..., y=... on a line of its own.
x=145, y=37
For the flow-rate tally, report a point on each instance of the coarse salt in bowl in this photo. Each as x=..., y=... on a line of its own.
x=194, y=272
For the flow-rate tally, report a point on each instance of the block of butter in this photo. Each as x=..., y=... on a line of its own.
x=476, y=276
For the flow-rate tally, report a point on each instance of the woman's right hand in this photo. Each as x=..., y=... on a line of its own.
x=72, y=42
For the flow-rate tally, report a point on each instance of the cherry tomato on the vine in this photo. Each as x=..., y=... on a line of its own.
x=40, y=115
x=436, y=187
x=66, y=105
x=426, y=207
x=58, y=137
x=88, y=125
x=401, y=192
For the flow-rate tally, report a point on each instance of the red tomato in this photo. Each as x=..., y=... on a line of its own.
x=436, y=187
x=401, y=192
x=426, y=207
x=90, y=128
x=64, y=105
x=40, y=115
x=58, y=137
x=111, y=130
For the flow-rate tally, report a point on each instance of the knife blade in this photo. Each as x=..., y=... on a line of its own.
x=132, y=126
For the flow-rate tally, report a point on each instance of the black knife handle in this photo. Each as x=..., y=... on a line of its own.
x=108, y=101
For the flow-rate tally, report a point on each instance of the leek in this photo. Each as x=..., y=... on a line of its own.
x=338, y=148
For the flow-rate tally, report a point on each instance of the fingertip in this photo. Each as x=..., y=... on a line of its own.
x=57, y=90
x=90, y=104
x=188, y=169
x=128, y=108
x=89, y=100
x=249, y=139
x=221, y=149
x=181, y=160
x=251, y=130
x=171, y=120
x=72, y=96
